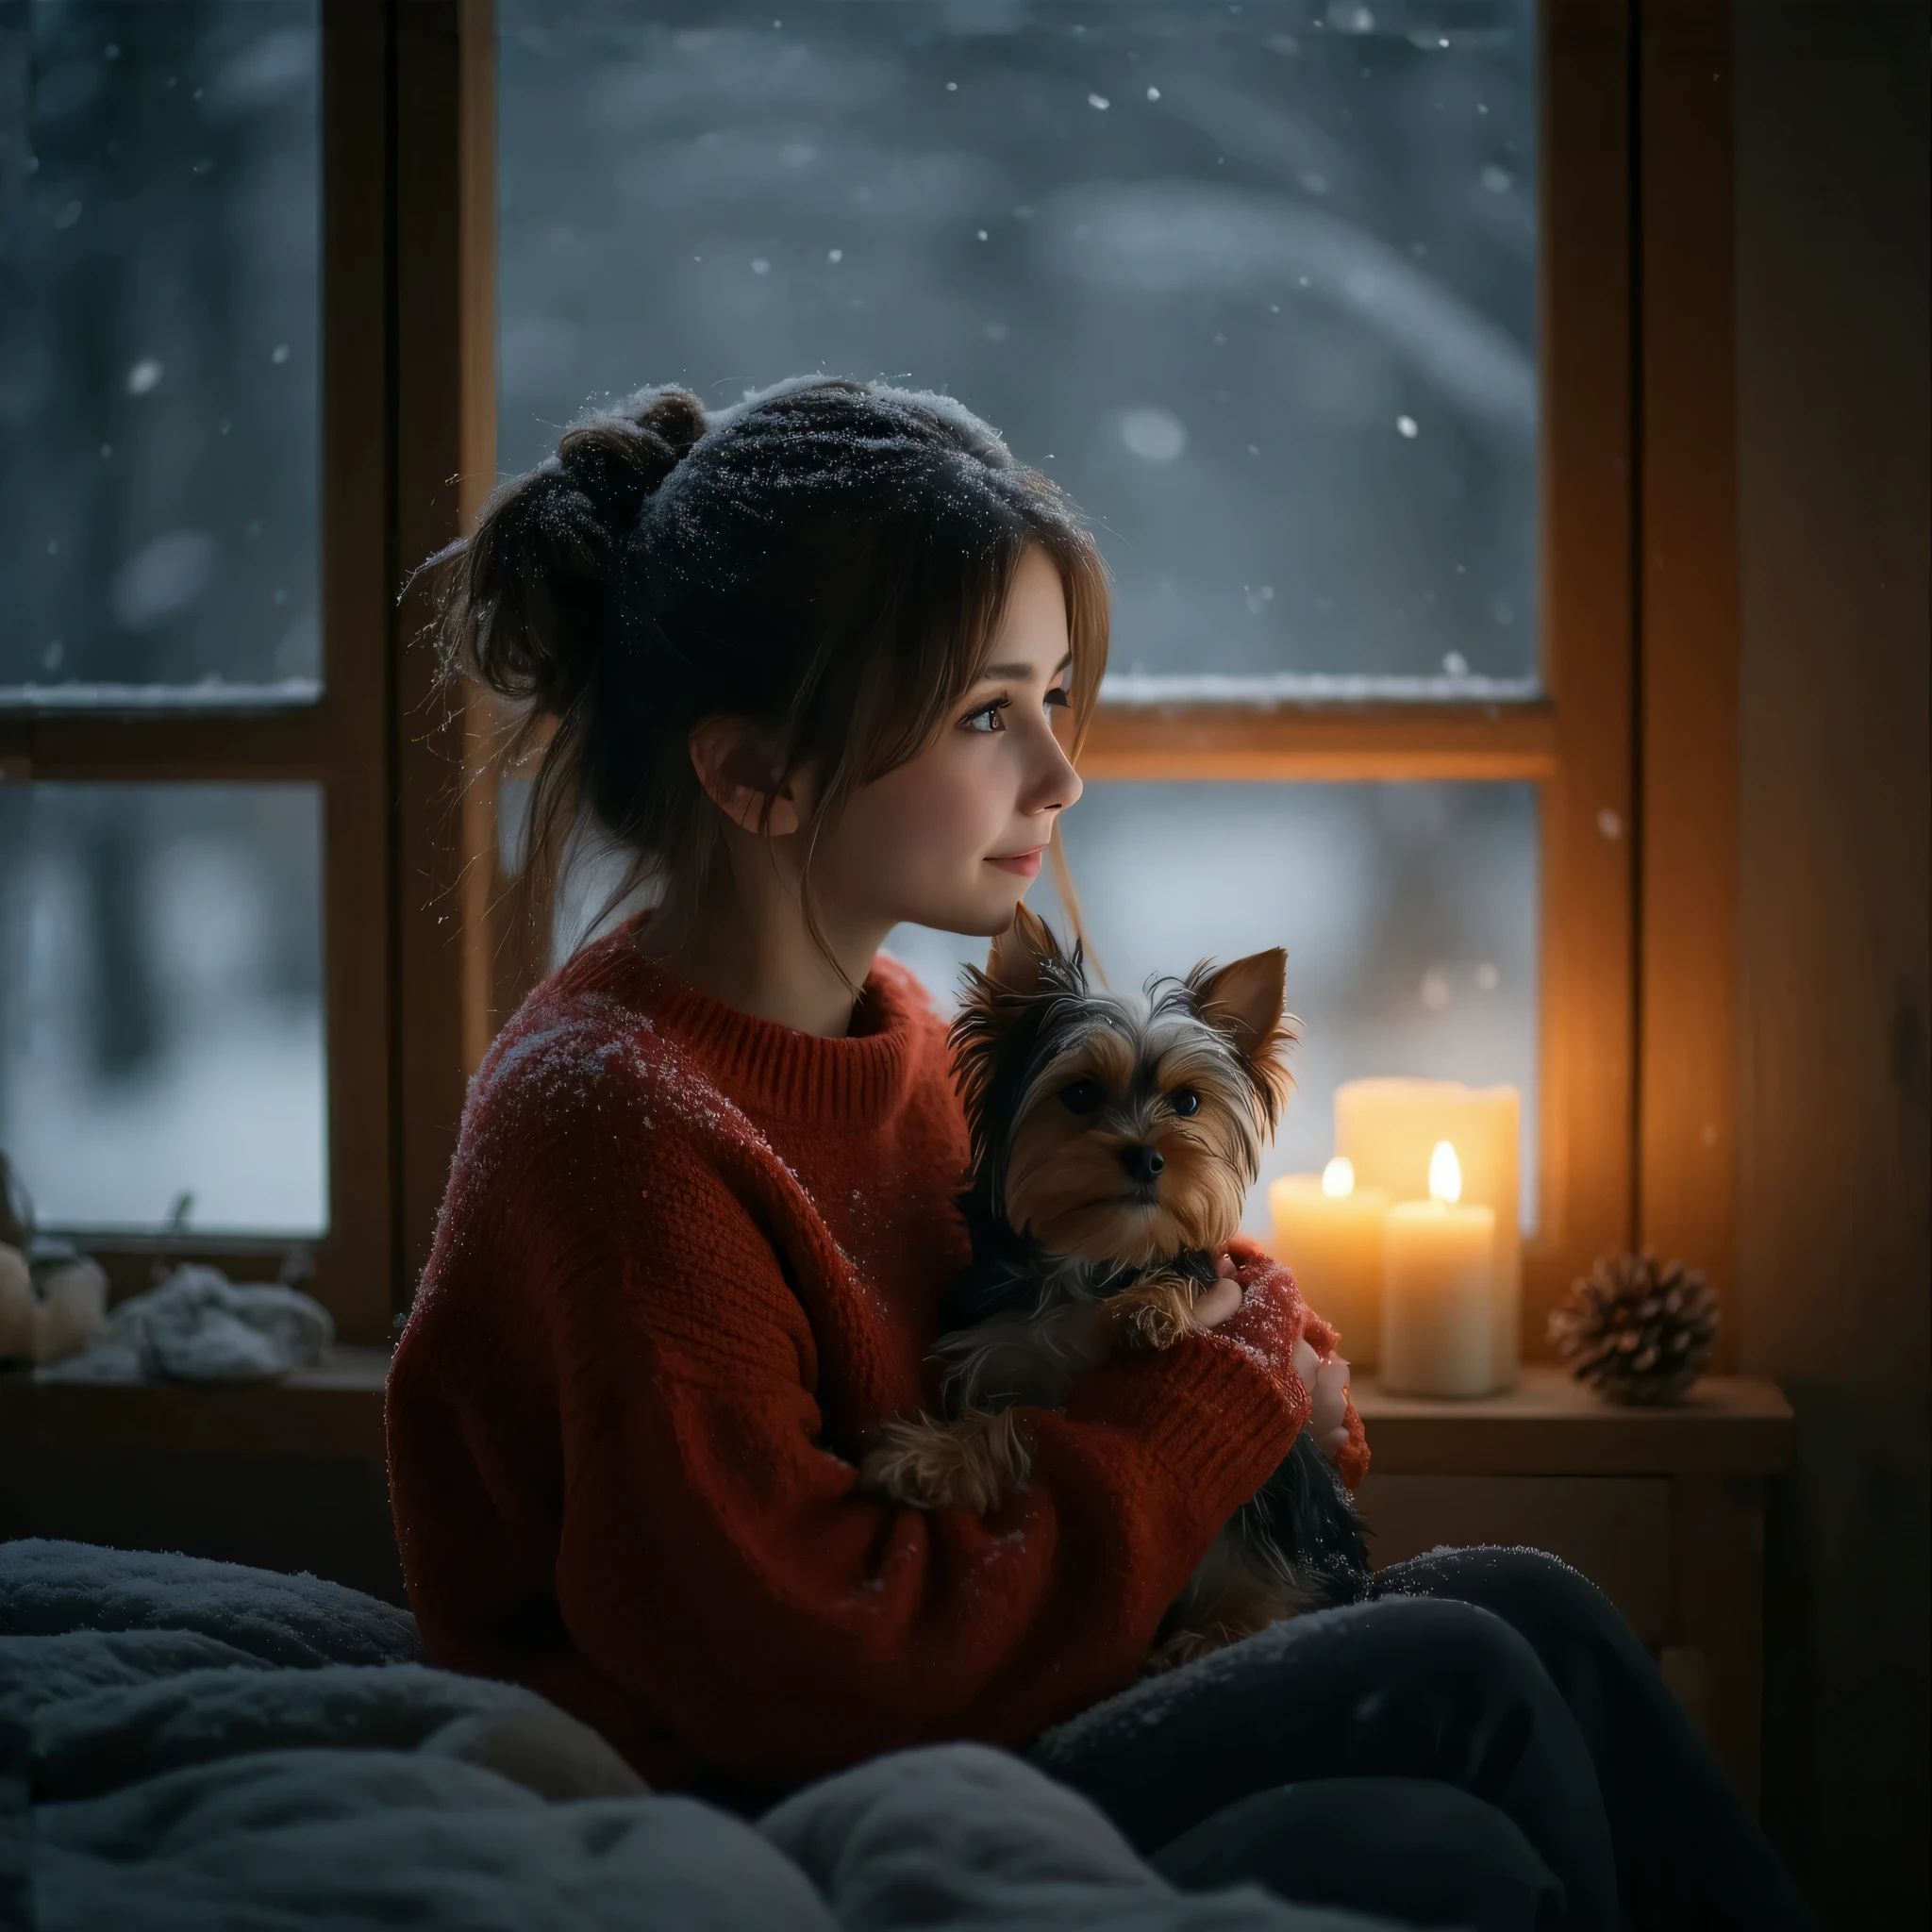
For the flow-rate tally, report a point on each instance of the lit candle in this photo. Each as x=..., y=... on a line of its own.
x=1391, y=1128
x=1438, y=1289
x=1329, y=1232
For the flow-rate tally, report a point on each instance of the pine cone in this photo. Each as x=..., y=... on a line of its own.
x=1638, y=1329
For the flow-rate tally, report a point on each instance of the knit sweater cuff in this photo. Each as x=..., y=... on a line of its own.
x=1216, y=1415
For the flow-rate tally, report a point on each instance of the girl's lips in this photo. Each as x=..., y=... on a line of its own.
x=1026, y=863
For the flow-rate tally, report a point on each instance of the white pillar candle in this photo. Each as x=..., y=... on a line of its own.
x=1438, y=1291
x=1329, y=1233
x=1388, y=1129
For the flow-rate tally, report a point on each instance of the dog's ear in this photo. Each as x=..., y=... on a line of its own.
x=1012, y=963
x=1244, y=1001
x=991, y=1005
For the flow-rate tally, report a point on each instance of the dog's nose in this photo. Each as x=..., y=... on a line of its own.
x=1141, y=1163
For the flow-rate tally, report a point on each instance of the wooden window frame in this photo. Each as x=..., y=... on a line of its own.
x=428, y=942
x=341, y=743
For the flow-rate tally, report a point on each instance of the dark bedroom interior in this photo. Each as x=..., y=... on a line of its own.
x=574, y=1347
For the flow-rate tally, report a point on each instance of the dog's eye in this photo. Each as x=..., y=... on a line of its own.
x=1184, y=1100
x=1080, y=1097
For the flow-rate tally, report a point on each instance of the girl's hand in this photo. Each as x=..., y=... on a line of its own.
x=1325, y=1377
x=1221, y=1301
x=1326, y=1382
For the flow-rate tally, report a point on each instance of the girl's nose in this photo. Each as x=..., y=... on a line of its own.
x=1055, y=784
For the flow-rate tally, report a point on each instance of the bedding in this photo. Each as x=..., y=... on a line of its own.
x=186, y=1743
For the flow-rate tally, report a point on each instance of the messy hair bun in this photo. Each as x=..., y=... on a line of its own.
x=828, y=558
x=526, y=613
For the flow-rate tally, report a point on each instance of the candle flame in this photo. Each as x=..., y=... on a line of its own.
x=1338, y=1178
x=1445, y=1174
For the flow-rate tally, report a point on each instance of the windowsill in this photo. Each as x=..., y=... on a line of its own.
x=1550, y=1424
x=332, y=1410
x=1547, y=1425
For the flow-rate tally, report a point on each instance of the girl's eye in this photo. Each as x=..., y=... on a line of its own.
x=1184, y=1100
x=989, y=712
x=1080, y=1097
x=1059, y=698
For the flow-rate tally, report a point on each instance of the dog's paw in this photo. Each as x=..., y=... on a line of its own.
x=1153, y=1315
x=974, y=1463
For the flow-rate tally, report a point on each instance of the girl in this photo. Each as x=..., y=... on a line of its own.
x=821, y=664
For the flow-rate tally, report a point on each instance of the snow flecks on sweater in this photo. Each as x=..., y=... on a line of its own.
x=594, y=1050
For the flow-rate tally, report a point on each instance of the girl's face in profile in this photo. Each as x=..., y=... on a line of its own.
x=952, y=838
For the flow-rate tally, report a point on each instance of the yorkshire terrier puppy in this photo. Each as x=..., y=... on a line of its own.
x=1113, y=1143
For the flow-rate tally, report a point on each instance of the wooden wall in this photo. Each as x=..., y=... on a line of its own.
x=1834, y=1262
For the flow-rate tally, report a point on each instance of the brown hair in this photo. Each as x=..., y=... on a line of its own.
x=828, y=559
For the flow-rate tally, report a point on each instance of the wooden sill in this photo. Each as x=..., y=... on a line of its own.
x=1547, y=1426
x=332, y=1411
x=1550, y=1424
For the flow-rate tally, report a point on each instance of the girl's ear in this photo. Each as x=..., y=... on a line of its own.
x=739, y=765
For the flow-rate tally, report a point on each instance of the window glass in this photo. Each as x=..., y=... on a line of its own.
x=1408, y=912
x=1255, y=282
x=158, y=168
x=161, y=1052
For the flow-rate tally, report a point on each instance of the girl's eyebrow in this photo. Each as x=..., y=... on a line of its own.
x=1020, y=670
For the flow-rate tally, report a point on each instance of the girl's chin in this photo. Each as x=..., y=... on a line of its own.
x=984, y=914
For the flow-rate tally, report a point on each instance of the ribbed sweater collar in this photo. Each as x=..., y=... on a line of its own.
x=759, y=1063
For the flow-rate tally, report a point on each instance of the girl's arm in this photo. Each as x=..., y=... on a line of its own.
x=720, y=1570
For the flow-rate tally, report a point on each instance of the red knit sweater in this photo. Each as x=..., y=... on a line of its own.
x=685, y=1257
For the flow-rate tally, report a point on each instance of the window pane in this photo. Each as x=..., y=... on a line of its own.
x=161, y=1032
x=158, y=352
x=1408, y=912
x=1256, y=283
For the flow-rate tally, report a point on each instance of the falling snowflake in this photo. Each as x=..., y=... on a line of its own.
x=1152, y=434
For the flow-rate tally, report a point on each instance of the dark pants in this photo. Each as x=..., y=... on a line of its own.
x=1485, y=1743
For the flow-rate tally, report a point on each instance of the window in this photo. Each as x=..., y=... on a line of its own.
x=163, y=1059
x=312, y=272
x=1256, y=286
x=186, y=863
x=1295, y=298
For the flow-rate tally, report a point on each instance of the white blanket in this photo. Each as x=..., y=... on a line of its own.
x=206, y=1746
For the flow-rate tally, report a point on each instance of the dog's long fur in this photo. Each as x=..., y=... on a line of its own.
x=1113, y=1143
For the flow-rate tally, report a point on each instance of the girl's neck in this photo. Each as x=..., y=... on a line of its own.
x=765, y=964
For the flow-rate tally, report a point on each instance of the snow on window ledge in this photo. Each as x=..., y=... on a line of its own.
x=1140, y=690
x=209, y=695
